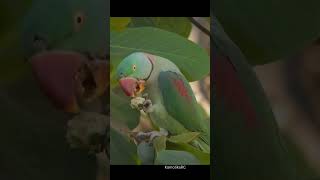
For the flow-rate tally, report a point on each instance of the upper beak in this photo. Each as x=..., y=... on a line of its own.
x=58, y=75
x=131, y=86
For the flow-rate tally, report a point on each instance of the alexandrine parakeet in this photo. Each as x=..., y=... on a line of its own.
x=32, y=130
x=66, y=43
x=174, y=106
x=247, y=140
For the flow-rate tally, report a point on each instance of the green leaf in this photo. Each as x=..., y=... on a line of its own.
x=203, y=157
x=11, y=13
x=184, y=137
x=179, y=25
x=146, y=153
x=203, y=112
x=159, y=143
x=304, y=168
x=31, y=129
x=113, y=80
x=173, y=157
x=122, y=151
x=12, y=63
x=264, y=32
x=192, y=60
x=12, y=69
x=121, y=110
x=119, y=23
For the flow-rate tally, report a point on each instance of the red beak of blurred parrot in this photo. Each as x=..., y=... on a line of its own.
x=66, y=76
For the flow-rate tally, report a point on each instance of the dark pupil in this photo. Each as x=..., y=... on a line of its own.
x=79, y=19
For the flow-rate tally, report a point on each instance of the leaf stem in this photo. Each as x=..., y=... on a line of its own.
x=199, y=26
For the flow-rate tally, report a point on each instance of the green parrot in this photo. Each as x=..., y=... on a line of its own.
x=174, y=106
x=247, y=140
x=65, y=42
x=57, y=37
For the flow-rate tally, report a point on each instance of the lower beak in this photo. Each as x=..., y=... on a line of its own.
x=57, y=73
x=131, y=86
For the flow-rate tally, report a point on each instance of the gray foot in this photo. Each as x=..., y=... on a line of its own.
x=149, y=136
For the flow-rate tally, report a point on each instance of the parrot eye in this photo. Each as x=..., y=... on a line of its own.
x=78, y=21
x=134, y=67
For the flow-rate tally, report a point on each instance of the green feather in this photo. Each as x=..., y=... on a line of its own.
x=244, y=152
x=181, y=104
x=77, y=25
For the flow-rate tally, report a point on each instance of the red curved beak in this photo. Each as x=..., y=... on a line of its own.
x=59, y=76
x=55, y=73
x=131, y=86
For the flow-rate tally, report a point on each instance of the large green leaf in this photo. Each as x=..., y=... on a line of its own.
x=12, y=67
x=203, y=157
x=159, y=143
x=121, y=110
x=268, y=30
x=146, y=153
x=119, y=23
x=184, y=137
x=179, y=25
x=122, y=151
x=12, y=63
x=173, y=157
x=192, y=60
x=304, y=168
x=12, y=12
x=33, y=134
x=113, y=80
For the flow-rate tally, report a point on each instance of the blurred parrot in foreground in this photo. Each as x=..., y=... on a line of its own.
x=247, y=141
x=66, y=42
x=173, y=104
x=63, y=47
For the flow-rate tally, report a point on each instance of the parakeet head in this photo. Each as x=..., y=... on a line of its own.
x=133, y=72
x=76, y=25
x=63, y=40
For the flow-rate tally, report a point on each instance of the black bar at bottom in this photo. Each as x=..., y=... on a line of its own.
x=160, y=172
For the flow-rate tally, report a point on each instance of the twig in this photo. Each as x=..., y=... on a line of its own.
x=199, y=26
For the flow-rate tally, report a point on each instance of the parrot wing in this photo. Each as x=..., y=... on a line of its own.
x=181, y=104
x=246, y=137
